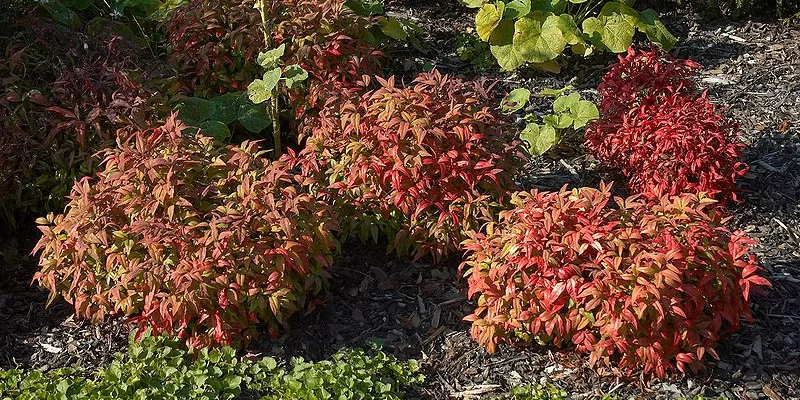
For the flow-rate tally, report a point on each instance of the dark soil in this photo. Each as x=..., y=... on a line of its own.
x=416, y=311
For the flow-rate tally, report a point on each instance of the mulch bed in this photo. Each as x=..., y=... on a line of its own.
x=415, y=311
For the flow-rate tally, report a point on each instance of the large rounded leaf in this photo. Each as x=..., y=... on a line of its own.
x=655, y=29
x=540, y=138
x=552, y=6
x=538, y=38
x=612, y=32
x=515, y=100
x=517, y=9
x=502, y=46
x=488, y=18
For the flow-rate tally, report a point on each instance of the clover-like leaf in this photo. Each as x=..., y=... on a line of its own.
x=294, y=75
x=564, y=103
x=517, y=9
x=539, y=138
x=260, y=90
x=515, y=100
x=502, y=46
x=488, y=18
x=538, y=38
x=582, y=112
x=269, y=59
x=655, y=29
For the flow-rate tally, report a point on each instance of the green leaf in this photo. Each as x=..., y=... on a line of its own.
x=269, y=59
x=537, y=37
x=392, y=28
x=254, y=117
x=515, y=100
x=563, y=103
x=540, y=138
x=488, y=18
x=77, y=4
x=517, y=9
x=260, y=90
x=473, y=3
x=560, y=121
x=555, y=92
x=614, y=32
x=551, y=6
x=294, y=75
x=569, y=29
x=215, y=129
x=226, y=107
x=616, y=8
x=583, y=112
x=194, y=110
x=61, y=14
x=502, y=46
x=365, y=8
x=655, y=29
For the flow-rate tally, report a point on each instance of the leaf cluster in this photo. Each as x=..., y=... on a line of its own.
x=526, y=31
x=417, y=164
x=214, y=116
x=189, y=238
x=663, y=135
x=158, y=367
x=641, y=286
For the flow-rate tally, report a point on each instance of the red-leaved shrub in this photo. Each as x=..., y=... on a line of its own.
x=189, y=238
x=661, y=134
x=647, y=285
x=419, y=163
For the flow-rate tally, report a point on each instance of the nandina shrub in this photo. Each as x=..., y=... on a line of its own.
x=680, y=144
x=641, y=285
x=418, y=163
x=188, y=238
x=644, y=76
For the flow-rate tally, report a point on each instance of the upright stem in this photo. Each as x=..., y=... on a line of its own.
x=274, y=107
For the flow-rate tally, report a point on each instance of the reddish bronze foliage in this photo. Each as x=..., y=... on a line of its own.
x=188, y=238
x=662, y=135
x=643, y=285
x=644, y=76
x=419, y=163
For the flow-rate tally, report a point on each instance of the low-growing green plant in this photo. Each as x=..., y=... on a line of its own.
x=159, y=367
x=570, y=113
x=217, y=116
x=536, y=32
x=471, y=48
x=534, y=392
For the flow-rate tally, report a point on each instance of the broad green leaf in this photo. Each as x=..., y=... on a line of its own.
x=551, y=66
x=517, y=9
x=555, y=92
x=226, y=107
x=537, y=37
x=502, y=46
x=614, y=32
x=215, y=129
x=78, y=4
x=294, y=75
x=569, y=29
x=560, y=121
x=583, y=112
x=564, y=103
x=488, y=18
x=194, y=110
x=515, y=100
x=582, y=49
x=365, y=8
x=261, y=89
x=655, y=29
x=540, y=138
x=392, y=28
x=616, y=8
x=553, y=6
x=270, y=58
x=61, y=14
x=473, y=3
x=254, y=117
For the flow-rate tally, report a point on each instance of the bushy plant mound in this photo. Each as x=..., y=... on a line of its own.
x=419, y=163
x=214, y=43
x=639, y=285
x=163, y=368
x=188, y=238
x=661, y=134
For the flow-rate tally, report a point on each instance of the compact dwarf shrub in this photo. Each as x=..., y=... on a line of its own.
x=661, y=134
x=418, y=163
x=640, y=285
x=188, y=238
